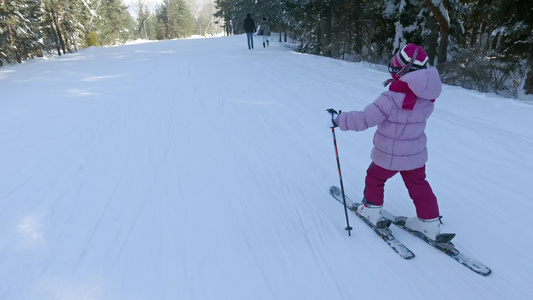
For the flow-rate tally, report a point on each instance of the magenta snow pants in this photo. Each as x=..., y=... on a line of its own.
x=415, y=181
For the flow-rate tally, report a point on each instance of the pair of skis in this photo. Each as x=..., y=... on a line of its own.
x=442, y=243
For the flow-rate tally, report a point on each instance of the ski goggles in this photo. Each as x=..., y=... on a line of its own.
x=394, y=69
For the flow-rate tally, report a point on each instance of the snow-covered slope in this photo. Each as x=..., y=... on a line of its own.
x=199, y=169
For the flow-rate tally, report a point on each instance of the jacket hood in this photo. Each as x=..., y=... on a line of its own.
x=424, y=83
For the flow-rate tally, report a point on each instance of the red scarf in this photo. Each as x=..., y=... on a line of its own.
x=410, y=97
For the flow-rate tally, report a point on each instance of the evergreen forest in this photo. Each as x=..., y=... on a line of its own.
x=484, y=45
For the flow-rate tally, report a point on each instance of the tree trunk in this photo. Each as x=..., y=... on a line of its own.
x=326, y=30
x=355, y=35
x=444, y=29
x=528, y=86
x=53, y=31
x=12, y=51
x=169, y=25
x=431, y=41
x=58, y=31
x=65, y=30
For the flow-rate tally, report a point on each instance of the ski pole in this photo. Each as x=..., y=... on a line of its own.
x=348, y=228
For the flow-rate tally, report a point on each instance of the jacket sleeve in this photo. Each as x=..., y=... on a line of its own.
x=375, y=113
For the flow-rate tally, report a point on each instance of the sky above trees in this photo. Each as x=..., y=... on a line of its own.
x=151, y=4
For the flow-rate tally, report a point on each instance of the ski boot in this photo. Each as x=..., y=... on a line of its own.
x=430, y=228
x=373, y=213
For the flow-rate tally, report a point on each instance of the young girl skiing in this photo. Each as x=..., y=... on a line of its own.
x=400, y=115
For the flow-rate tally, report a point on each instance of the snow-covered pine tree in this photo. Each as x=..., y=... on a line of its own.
x=19, y=30
x=513, y=40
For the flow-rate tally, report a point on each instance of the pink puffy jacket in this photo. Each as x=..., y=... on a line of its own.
x=400, y=141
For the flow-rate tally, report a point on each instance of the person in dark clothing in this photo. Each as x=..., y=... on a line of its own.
x=249, y=28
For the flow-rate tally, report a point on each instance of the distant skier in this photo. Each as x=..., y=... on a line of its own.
x=264, y=30
x=249, y=28
x=400, y=115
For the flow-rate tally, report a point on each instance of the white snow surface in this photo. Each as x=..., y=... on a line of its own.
x=199, y=169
